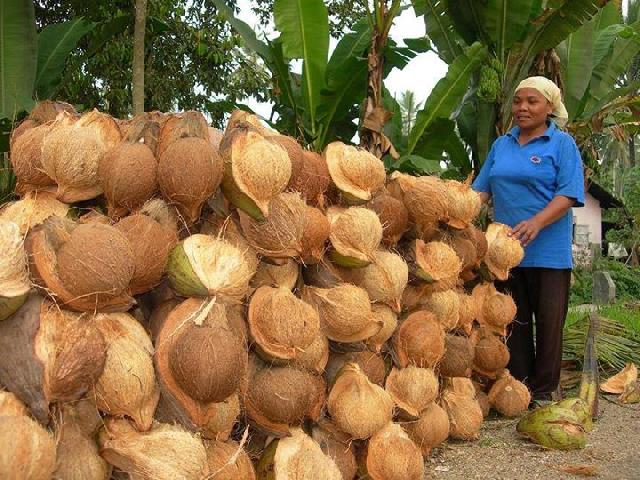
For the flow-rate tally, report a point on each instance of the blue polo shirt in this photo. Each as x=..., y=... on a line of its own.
x=523, y=179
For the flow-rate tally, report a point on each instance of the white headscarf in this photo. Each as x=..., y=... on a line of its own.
x=551, y=92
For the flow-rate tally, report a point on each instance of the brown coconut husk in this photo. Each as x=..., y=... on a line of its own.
x=215, y=137
x=20, y=128
x=351, y=394
x=356, y=234
x=33, y=209
x=14, y=276
x=237, y=320
x=483, y=401
x=228, y=228
x=144, y=128
x=313, y=179
x=345, y=312
x=228, y=461
x=621, y=381
x=393, y=216
x=28, y=450
x=127, y=386
x=503, y=251
x=159, y=314
x=281, y=232
x=446, y=307
x=491, y=354
x=26, y=158
x=465, y=415
x=53, y=355
x=509, y=396
x=436, y=263
x=177, y=126
x=460, y=385
x=48, y=110
x=128, y=175
x=426, y=200
x=458, y=357
x=371, y=364
x=72, y=151
x=281, y=324
x=166, y=452
x=315, y=235
x=392, y=455
x=197, y=397
x=389, y=320
x=467, y=312
x=313, y=358
x=415, y=296
x=498, y=311
x=430, y=430
x=337, y=446
x=294, y=151
x=464, y=248
x=357, y=173
x=189, y=172
x=323, y=274
x=412, y=389
x=463, y=204
x=269, y=275
x=419, y=341
x=11, y=406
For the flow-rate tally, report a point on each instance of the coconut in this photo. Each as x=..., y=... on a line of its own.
x=371, y=364
x=430, y=430
x=11, y=406
x=215, y=137
x=189, y=172
x=26, y=159
x=228, y=461
x=296, y=457
x=464, y=247
x=426, y=200
x=392, y=455
x=20, y=128
x=415, y=296
x=412, y=389
x=436, y=263
x=279, y=397
x=48, y=110
x=498, y=310
x=419, y=341
x=313, y=358
x=226, y=228
x=269, y=275
x=323, y=274
x=483, y=401
x=166, y=452
x=393, y=216
x=198, y=396
x=52, y=355
x=144, y=128
x=509, y=396
x=460, y=385
x=280, y=323
x=619, y=382
x=313, y=179
x=127, y=386
x=280, y=234
x=28, y=450
x=467, y=312
x=258, y=170
x=314, y=236
x=202, y=266
x=237, y=320
x=294, y=151
x=14, y=276
x=33, y=209
x=72, y=151
x=355, y=235
x=465, y=415
x=554, y=427
x=458, y=357
x=503, y=252
x=337, y=446
x=384, y=279
x=351, y=394
x=463, y=204
x=177, y=126
x=446, y=307
x=389, y=324
x=345, y=312
x=128, y=176
x=491, y=355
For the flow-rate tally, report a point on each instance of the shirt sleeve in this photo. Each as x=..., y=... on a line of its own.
x=570, y=176
x=481, y=183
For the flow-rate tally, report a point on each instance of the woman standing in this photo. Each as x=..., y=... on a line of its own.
x=534, y=174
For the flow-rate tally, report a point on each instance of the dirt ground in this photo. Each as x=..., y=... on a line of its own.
x=613, y=450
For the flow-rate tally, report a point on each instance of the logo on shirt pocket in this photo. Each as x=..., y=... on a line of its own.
x=535, y=159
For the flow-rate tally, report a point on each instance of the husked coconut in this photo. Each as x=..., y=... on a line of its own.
x=14, y=276
x=465, y=415
x=351, y=394
x=356, y=234
x=228, y=461
x=313, y=179
x=509, y=396
x=498, y=311
x=426, y=200
x=419, y=341
x=166, y=452
x=491, y=354
x=463, y=204
x=33, y=209
x=412, y=389
x=28, y=450
x=26, y=159
x=269, y=275
x=430, y=430
x=371, y=364
x=72, y=151
x=314, y=236
x=458, y=357
x=389, y=324
x=356, y=172
x=446, y=307
x=393, y=216
x=503, y=252
x=460, y=385
x=392, y=455
x=177, y=126
x=467, y=312
x=337, y=446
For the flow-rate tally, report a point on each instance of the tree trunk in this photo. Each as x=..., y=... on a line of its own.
x=138, y=56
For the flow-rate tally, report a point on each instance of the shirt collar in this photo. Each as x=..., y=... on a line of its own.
x=549, y=132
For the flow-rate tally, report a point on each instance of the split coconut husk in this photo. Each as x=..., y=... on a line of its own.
x=425, y=198
x=85, y=267
x=177, y=126
x=351, y=394
x=467, y=312
x=313, y=179
x=503, y=252
x=393, y=216
x=197, y=331
x=419, y=341
x=430, y=430
x=412, y=389
x=356, y=234
x=228, y=229
x=313, y=358
x=11, y=406
x=48, y=110
x=144, y=128
x=389, y=324
x=26, y=159
x=436, y=263
x=498, y=311
x=51, y=355
x=621, y=381
x=315, y=235
x=72, y=151
x=166, y=452
x=127, y=386
x=228, y=461
x=14, y=276
x=281, y=324
x=465, y=415
x=509, y=396
x=128, y=176
x=296, y=457
x=33, y=209
x=384, y=279
x=345, y=312
x=189, y=172
x=357, y=173
x=295, y=153
x=323, y=274
x=372, y=365
x=278, y=398
x=337, y=446
x=463, y=204
x=445, y=305
x=280, y=233
x=458, y=357
x=491, y=354
x=392, y=455
x=203, y=266
x=269, y=275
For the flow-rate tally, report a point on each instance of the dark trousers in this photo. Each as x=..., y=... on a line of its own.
x=543, y=294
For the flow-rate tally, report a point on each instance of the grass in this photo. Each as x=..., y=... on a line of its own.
x=626, y=314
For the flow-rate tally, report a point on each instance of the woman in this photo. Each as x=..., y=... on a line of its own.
x=534, y=175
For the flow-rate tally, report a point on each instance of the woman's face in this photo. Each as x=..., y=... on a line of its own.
x=530, y=108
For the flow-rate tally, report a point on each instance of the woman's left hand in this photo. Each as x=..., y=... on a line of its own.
x=527, y=230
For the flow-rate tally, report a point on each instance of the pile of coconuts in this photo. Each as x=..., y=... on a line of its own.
x=181, y=302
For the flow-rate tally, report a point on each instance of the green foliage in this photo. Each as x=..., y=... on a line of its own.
x=626, y=278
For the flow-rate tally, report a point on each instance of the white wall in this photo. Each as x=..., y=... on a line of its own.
x=590, y=214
